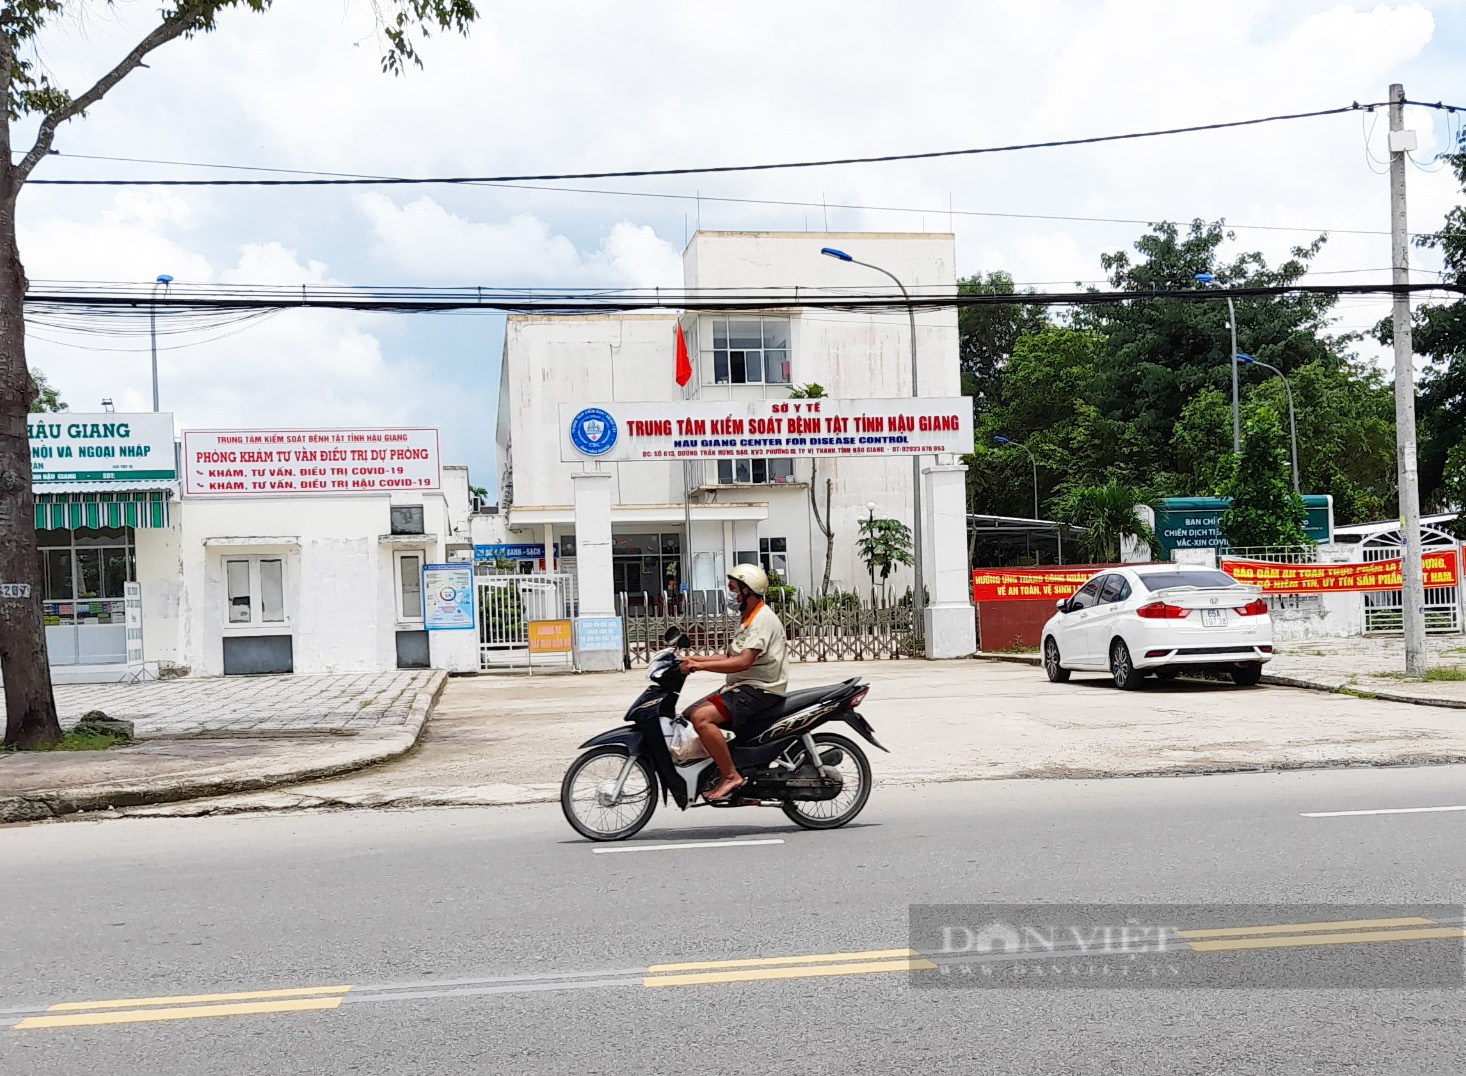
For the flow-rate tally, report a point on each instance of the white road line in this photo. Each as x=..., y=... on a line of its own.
x=1382, y=810
x=690, y=844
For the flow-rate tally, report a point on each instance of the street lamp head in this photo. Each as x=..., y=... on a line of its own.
x=871, y=505
x=164, y=278
x=1002, y=440
x=833, y=253
x=1205, y=278
x=1245, y=358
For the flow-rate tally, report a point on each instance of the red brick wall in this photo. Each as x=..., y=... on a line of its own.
x=1007, y=624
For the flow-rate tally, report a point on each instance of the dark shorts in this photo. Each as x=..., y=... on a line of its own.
x=740, y=703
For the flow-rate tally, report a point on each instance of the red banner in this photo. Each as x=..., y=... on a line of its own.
x=1441, y=570
x=1028, y=584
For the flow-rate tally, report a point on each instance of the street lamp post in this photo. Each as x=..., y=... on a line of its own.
x=1015, y=444
x=1208, y=278
x=163, y=281
x=919, y=590
x=1292, y=423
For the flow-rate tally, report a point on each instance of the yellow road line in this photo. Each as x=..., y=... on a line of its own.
x=191, y=999
x=749, y=975
x=1297, y=928
x=134, y=1016
x=700, y=965
x=1327, y=939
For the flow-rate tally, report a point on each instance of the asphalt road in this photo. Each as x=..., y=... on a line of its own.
x=449, y=925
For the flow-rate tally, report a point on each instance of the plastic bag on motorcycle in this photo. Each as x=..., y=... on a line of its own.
x=684, y=743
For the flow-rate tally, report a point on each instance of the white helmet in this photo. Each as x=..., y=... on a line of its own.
x=751, y=576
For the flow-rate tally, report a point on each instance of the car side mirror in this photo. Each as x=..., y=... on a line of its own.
x=1063, y=604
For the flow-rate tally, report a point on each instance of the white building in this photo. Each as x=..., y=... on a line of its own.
x=754, y=510
x=236, y=583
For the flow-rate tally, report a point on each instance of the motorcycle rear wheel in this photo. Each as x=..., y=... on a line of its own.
x=854, y=769
x=579, y=795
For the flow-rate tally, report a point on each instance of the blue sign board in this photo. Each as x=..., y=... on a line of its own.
x=511, y=552
x=447, y=595
x=598, y=633
x=593, y=431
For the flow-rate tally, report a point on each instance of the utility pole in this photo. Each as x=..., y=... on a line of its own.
x=1412, y=600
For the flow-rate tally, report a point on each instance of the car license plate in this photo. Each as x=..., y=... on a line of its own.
x=1214, y=618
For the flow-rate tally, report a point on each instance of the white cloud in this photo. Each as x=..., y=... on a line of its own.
x=423, y=239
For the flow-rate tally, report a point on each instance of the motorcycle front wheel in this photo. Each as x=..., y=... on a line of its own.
x=854, y=770
x=588, y=800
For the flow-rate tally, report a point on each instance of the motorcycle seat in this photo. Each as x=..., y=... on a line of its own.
x=795, y=701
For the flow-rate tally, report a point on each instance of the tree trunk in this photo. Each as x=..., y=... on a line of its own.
x=829, y=529
x=30, y=706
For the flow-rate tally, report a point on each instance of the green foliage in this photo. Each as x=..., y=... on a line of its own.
x=812, y=391
x=988, y=334
x=46, y=397
x=1140, y=393
x=1453, y=487
x=1439, y=334
x=1264, y=511
x=884, y=544
x=1107, y=512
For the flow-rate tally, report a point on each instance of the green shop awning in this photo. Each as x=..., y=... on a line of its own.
x=124, y=508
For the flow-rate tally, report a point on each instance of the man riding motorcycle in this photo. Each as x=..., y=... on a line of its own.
x=757, y=669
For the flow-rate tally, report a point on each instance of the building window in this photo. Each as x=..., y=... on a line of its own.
x=773, y=555
x=409, y=586
x=755, y=472
x=254, y=590
x=646, y=564
x=407, y=519
x=750, y=351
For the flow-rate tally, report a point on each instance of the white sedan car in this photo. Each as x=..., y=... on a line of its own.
x=1164, y=619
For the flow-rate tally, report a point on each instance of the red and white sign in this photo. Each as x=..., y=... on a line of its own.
x=264, y=462
x=708, y=430
x=1440, y=568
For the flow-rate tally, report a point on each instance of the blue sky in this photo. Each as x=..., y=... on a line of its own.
x=586, y=86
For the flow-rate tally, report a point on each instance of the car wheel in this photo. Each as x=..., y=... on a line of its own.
x=1127, y=677
x=1167, y=674
x=1057, y=673
x=1247, y=675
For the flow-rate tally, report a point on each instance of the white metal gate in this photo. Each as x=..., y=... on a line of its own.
x=507, y=602
x=1384, y=610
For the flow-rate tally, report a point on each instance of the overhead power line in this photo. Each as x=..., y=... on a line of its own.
x=347, y=180
x=123, y=300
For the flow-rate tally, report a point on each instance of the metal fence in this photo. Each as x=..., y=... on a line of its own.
x=507, y=602
x=843, y=628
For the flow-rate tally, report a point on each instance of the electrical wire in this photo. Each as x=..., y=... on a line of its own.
x=115, y=300
x=342, y=180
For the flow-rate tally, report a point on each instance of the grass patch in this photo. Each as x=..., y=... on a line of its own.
x=1357, y=692
x=1016, y=648
x=86, y=741
x=1446, y=672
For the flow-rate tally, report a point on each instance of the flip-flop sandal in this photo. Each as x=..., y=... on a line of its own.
x=710, y=798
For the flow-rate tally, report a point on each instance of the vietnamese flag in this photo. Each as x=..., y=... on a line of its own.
x=684, y=364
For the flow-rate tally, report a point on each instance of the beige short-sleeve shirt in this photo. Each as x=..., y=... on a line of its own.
x=764, y=632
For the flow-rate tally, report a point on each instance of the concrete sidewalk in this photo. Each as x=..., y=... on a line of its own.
x=1374, y=666
x=504, y=740
x=209, y=736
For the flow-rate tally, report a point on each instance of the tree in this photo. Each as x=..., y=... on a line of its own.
x=1161, y=354
x=1453, y=488
x=884, y=543
x=987, y=335
x=822, y=520
x=47, y=398
x=1264, y=511
x=30, y=706
x=1108, y=515
x=1439, y=333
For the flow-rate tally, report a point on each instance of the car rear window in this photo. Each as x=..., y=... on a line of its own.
x=1203, y=577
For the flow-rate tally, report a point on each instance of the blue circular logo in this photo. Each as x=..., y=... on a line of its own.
x=593, y=431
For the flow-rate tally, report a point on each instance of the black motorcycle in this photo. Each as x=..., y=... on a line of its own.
x=820, y=779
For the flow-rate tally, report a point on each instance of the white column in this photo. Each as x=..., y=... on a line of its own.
x=951, y=628
x=593, y=579
x=549, y=542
